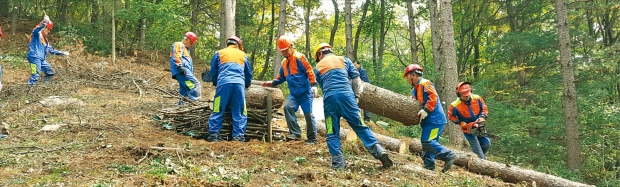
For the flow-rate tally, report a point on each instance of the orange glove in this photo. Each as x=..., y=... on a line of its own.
x=466, y=127
x=267, y=84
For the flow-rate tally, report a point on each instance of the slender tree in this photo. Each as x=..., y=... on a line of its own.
x=269, y=39
x=227, y=21
x=348, y=28
x=359, y=29
x=573, y=146
x=450, y=73
x=281, y=25
x=335, y=27
x=308, y=8
x=113, y=34
x=412, y=35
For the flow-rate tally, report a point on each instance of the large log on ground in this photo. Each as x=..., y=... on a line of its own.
x=389, y=104
x=345, y=134
x=391, y=144
x=506, y=172
x=255, y=97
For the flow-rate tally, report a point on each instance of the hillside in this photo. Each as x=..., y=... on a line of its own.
x=107, y=141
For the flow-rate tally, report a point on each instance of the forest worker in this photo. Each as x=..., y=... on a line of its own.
x=341, y=87
x=297, y=71
x=38, y=49
x=231, y=73
x=182, y=68
x=364, y=77
x=432, y=119
x=470, y=111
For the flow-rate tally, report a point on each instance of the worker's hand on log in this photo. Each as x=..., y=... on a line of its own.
x=422, y=113
x=267, y=84
x=315, y=91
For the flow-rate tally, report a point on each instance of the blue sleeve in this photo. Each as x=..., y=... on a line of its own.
x=39, y=28
x=52, y=51
x=215, y=66
x=318, y=77
x=248, y=72
x=364, y=76
x=281, y=78
x=350, y=68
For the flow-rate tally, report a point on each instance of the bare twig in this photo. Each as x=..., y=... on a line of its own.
x=166, y=148
x=134, y=82
x=145, y=155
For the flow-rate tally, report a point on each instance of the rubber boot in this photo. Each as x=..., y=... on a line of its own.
x=310, y=130
x=338, y=162
x=214, y=137
x=380, y=153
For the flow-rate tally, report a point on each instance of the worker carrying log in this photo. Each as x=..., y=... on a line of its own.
x=470, y=112
x=432, y=118
x=297, y=71
x=231, y=73
x=341, y=87
x=38, y=48
x=182, y=68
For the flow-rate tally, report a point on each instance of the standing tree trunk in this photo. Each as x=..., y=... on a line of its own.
x=359, y=29
x=573, y=147
x=281, y=25
x=270, y=39
x=348, y=29
x=142, y=27
x=308, y=7
x=412, y=34
x=14, y=13
x=435, y=35
x=4, y=8
x=89, y=10
x=95, y=11
x=113, y=34
x=450, y=71
x=194, y=21
x=227, y=21
x=382, y=32
x=61, y=11
x=335, y=27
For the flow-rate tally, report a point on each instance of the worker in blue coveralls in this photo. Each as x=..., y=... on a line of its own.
x=231, y=73
x=341, y=87
x=297, y=71
x=432, y=119
x=364, y=77
x=38, y=48
x=182, y=68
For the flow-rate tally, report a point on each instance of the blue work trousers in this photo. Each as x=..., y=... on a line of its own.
x=233, y=95
x=344, y=105
x=431, y=147
x=37, y=65
x=189, y=86
x=291, y=107
x=479, y=144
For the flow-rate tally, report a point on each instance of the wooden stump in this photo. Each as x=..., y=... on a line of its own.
x=391, y=105
x=391, y=144
x=508, y=173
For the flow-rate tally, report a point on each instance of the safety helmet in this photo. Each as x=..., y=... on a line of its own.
x=49, y=25
x=284, y=43
x=415, y=68
x=323, y=47
x=234, y=40
x=191, y=36
x=463, y=89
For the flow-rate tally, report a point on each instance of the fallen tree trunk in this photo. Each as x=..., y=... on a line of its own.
x=506, y=172
x=255, y=97
x=345, y=134
x=389, y=104
x=392, y=144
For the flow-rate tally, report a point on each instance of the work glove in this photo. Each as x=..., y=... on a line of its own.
x=358, y=87
x=315, y=91
x=66, y=53
x=469, y=128
x=267, y=84
x=46, y=18
x=422, y=113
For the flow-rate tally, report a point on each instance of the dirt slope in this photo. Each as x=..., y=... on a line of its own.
x=107, y=142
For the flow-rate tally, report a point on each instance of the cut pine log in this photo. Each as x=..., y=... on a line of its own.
x=345, y=134
x=389, y=104
x=255, y=97
x=392, y=144
x=508, y=173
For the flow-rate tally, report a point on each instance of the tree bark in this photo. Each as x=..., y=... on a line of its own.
x=95, y=11
x=255, y=97
x=450, y=73
x=348, y=29
x=382, y=32
x=281, y=25
x=507, y=173
x=113, y=34
x=345, y=134
x=389, y=104
x=392, y=144
x=270, y=39
x=308, y=7
x=194, y=20
x=227, y=21
x=359, y=30
x=14, y=13
x=412, y=35
x=573, y=147
x=335, y=27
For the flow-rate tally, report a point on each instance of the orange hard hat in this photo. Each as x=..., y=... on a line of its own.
x=413, y=67
x=236, y=40
x=463, y=89
x=284, y=43
x=191, y=36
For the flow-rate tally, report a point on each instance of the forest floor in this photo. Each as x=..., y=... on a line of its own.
x=107, y=140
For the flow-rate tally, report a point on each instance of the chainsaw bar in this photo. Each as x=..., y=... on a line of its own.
x=492, y=136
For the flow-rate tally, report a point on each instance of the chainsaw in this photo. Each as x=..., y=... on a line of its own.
x=481, y=131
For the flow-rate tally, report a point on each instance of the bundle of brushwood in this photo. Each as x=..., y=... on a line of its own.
x=193, y=118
